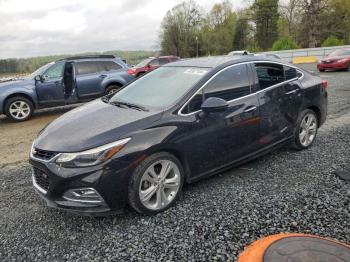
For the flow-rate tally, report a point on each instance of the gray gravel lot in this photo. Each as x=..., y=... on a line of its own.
x=286, y=191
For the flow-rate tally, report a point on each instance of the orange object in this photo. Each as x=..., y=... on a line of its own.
x=262, y=249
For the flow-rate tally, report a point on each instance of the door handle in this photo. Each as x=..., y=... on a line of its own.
x=102, y=76
x=291, y=92
x=249, y=109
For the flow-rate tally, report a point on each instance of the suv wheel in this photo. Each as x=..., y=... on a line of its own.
x=156, y=184
x=19, y=109
x=111, y=90
x=306, y=130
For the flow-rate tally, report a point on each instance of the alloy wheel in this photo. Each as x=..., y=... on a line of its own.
x=19, y=110
x=159, y=184
x=308, y=129
x=112, y=91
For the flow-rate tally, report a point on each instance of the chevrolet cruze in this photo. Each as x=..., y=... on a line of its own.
x=182, y=122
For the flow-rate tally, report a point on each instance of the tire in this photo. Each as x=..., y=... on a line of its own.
x=140, y=74
x=305, y=132
x=142, y=180
x=112, y=89
x=19, y=109
x=321, y=70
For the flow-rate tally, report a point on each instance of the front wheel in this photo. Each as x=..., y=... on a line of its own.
x=306, y=130
x=19, y=109
x=156, y=184
x=111, y=90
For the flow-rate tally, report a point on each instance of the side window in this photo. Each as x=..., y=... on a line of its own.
x=55, y=71
x=299, y=74
x=154, y=62
x=232, y=83
x=290, y=72
x=84, y=68
x=269, y=74
x=194, y=104
x=109, y=65
x=163, y=61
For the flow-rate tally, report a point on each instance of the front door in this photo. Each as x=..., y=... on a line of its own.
x=223, y=137
x=50, y=89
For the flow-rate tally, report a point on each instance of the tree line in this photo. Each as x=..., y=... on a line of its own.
x=188, y=31
x=28, y=65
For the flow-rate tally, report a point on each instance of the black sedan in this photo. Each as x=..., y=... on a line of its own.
x=182, y=122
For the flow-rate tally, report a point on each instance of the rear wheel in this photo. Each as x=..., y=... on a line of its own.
x=111, y=90
x=156, y=184
x=321, y=70
x=19, y=109
x=306, y=130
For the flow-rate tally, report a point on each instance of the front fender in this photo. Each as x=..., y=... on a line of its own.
x=26, y=90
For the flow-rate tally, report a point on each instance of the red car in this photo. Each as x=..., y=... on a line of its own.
x=150, y=64
x=337, y=60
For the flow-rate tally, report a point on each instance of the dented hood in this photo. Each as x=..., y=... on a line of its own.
x=92, y=125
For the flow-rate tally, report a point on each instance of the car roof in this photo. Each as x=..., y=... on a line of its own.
x=215, y=61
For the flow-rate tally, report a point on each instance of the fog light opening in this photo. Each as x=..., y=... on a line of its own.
x=84, y=195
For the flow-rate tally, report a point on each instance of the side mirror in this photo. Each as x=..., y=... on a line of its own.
x=214, y=104
x=38, y=78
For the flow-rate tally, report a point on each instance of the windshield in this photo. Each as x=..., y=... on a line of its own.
x=41, y=70
x=144, y=62
x=340, y=52
x=160, y=88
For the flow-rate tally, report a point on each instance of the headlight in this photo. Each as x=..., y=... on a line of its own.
x=93, y=156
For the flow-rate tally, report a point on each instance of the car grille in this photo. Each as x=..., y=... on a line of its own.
x=41, y=179
x=42, y=154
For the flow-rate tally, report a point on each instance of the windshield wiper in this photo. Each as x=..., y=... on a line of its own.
x=130, y=105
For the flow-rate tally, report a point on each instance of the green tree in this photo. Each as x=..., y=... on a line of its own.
x=241, y=35
x=284, y=43
x=180, y=29
x=332, y=41
x=265, y=13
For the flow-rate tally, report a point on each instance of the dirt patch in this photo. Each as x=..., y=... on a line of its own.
x=16, y=138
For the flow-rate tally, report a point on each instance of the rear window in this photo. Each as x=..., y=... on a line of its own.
x=88, y=67
x=110, y=65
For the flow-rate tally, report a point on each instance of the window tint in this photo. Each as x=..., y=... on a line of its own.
x=163, y=61
x=154, y=62
x=230, y=84
x=110, y=65
x=88, y=68
x=290, y=72
x=194, y=104
x=55, y=71
x=269, y=74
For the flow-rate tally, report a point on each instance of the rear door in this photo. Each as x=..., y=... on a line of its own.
x=89, y=76
x=50, y=89
x=223, y=137
x=278, y=99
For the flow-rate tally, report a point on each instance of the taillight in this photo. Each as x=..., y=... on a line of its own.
x=131, y=71
x=325, y=84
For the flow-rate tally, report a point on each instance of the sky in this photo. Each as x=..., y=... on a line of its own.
x=47, y=27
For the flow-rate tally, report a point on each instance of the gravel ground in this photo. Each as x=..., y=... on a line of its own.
x=286, y=191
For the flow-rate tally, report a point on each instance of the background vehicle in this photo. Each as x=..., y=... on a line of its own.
x=337, y=60
x=150, y=64
x=239, y=53
x=149, y=138
x=67, y=81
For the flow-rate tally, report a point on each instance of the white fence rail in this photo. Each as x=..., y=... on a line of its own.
x=319, y=52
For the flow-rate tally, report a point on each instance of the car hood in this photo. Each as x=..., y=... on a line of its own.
x=15, y=83
x=92, y=125
x=334, y=58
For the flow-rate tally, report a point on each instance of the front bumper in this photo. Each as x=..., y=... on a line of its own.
x=332, y=66
x=110, y=181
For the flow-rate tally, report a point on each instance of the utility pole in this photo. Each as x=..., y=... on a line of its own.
x=197, y=45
